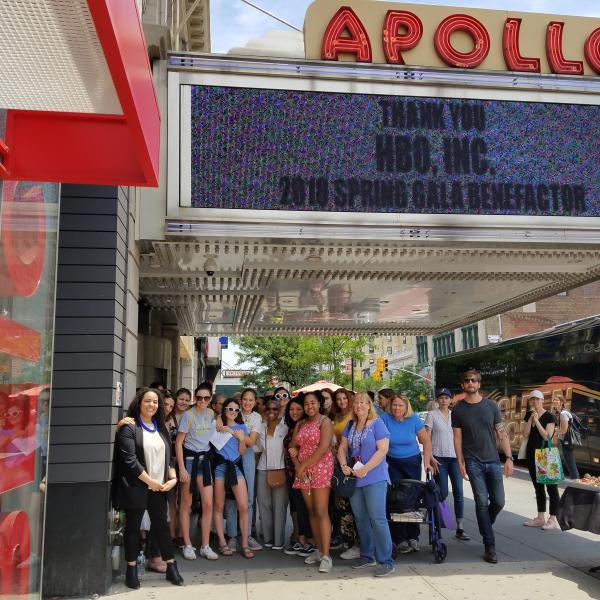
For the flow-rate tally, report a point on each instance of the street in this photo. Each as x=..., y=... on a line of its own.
x=532, y=563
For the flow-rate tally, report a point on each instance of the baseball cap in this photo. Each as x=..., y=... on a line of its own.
x=443, y=392
x=536, y=394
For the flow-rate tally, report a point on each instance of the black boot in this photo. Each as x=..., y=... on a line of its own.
x=173, y=574
x=131, y=578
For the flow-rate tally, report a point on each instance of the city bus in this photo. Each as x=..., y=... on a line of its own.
x=562, y=362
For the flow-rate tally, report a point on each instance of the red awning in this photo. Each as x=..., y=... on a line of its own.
x=112, y=137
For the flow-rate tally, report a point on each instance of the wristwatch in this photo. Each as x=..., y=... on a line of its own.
x=510, y=458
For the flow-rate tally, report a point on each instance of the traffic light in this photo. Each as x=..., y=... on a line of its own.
x=380, y=364
x=377, y=375
x=386, y=364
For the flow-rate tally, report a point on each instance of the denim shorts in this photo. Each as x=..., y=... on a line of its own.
x=221, y=469
x=189, y=461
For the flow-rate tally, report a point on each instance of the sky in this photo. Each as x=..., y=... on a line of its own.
x=234, y=23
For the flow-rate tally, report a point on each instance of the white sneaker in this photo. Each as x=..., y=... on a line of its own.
x=189, y=553
x=351, y=554
x=326, y=564
x=253, y=544
x=314, y=558
x=414, y=545
x=208, y=553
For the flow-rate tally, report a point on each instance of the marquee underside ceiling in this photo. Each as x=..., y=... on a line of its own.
x=271, y=286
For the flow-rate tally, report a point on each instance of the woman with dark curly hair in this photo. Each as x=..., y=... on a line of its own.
x=301, y=542
x=313, y=460
x=143, y=479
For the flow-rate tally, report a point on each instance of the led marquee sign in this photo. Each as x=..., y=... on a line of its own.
x=336, y=152
x=420, y=35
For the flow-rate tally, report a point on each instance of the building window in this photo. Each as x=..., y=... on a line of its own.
x=422, y=352
x=443, y=344
x=470, y=337
x=388, y=338
x=371, y=349
x=389, y=350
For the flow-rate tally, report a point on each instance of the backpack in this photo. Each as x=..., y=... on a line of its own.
x=575, y=433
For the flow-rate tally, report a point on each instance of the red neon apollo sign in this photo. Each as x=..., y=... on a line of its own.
x=403, y=30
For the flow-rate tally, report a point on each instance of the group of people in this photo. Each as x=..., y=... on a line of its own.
x=279, y=455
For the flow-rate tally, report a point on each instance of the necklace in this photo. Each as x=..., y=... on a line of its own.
x=148, y=429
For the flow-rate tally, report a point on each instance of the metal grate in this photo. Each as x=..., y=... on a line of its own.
x=52, y=58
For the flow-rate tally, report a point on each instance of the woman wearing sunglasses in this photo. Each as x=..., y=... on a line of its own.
x=193, y=458
x=283, y=397
x=253, y=422
x=301, y=542
x=313, y=459
x=272, y=495
x=229, y=475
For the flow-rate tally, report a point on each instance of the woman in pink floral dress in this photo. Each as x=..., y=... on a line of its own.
x=311, y=452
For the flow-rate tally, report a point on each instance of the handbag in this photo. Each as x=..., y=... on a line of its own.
x=446, y=518
x=548, y=466
x=342, y=485
x=276, y=478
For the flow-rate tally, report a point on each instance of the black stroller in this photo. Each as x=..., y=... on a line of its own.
x=413, y=501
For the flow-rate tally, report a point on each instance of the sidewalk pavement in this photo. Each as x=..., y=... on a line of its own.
x=532, y=564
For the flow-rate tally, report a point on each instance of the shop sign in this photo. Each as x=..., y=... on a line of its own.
x=438, y=36
x=235, y=373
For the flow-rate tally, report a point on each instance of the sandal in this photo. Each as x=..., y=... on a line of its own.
x=225, y=550
x=247, y=553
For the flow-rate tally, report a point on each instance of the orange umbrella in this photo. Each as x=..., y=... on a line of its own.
x=318, y=385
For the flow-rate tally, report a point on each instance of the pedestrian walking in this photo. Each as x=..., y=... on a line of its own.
x=477, y=424
x=539, y=428
x=438, y=423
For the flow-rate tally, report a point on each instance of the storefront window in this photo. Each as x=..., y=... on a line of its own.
x=28, y=238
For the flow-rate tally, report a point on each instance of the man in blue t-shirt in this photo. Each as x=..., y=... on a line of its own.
x=476, y=423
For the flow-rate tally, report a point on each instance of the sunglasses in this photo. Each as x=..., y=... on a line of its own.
x=470, y=380
x=233, y=410
x=203, y=398
x=282, y=396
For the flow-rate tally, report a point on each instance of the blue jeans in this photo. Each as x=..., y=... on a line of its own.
x=488, y=492
x=368, y=506
x=230, y=509
x=448, y=467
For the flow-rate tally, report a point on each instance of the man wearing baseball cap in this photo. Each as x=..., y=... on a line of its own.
x=438, y=424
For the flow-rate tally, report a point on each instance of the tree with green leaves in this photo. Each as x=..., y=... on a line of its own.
x=408, y=382
x=297, y=360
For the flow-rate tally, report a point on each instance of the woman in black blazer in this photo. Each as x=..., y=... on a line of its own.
x=143, y=477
